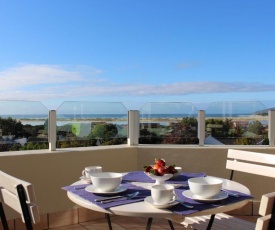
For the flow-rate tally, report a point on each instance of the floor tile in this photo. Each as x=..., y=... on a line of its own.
x=70, y=227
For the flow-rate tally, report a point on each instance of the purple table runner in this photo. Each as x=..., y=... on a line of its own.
x=81, y=192
x=140, y=176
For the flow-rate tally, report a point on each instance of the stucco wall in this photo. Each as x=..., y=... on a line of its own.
x=49, y=171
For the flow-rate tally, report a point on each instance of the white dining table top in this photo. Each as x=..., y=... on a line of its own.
x=143, y=209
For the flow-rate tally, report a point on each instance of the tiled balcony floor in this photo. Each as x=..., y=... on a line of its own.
x=123, y=223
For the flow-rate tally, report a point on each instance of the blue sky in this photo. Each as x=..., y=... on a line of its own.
x=137, y=51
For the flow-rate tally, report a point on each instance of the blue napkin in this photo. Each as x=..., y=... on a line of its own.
x=140, y=176
x=80, y=191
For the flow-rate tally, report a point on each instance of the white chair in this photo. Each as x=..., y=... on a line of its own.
x=226, y=222
x=250, y=162
x=267, y=211
x=243, y=161
x=18, y=195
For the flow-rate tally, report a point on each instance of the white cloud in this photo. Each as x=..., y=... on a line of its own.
x=28, y=75
x=46, y=82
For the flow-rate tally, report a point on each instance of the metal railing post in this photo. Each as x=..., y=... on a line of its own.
x=201, y=127
x=52, y=130
x=133, y=127
x=271, y=127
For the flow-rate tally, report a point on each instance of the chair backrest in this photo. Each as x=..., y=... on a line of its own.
x=20, y=196
x=267, y=211
x=251, y=162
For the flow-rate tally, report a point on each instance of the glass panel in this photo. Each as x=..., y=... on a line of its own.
x=168, y=123
x=91, y=124
x=236, y=123
x=23, y=126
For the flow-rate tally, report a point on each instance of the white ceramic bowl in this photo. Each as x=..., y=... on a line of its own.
x=106, y=181
x=205, y=187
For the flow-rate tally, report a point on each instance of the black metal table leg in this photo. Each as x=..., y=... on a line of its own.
x=171, y=225
x=149, y=223
x=212, y=218
x=108, y=220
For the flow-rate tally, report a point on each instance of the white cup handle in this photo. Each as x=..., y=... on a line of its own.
x=83, y=173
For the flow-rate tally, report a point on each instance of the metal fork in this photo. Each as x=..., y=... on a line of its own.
x=127, y=197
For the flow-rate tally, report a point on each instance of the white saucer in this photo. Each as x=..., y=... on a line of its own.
x=85, y=179
x=149, y=200
x=221, y=196
x=92, y=189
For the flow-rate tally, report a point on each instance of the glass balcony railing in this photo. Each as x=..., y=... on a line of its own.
x=24, y=125
x=237, y=123
x=91, y=124
x=168, y=123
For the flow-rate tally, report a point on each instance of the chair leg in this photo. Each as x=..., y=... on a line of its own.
x=149, y=223
x=3, y=218
x=24, y=206
x=271, y=225
x=109, y=221
x=171, y=225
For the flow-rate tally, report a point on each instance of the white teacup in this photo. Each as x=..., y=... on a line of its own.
x=90, y=170
x=162, y=193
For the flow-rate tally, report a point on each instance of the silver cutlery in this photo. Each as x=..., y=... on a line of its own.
x=111, y=197
x=78, y=188
x=184, y=204
x=229, y=193
x=127, y=197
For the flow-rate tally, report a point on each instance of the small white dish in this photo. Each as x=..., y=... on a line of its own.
x=92, y=189
x=189, y=194
x=149, y=200
x=85, y=179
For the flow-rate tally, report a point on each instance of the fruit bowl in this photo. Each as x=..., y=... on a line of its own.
x=159, y=179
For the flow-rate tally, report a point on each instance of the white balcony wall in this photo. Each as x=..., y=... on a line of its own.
x=49, y=171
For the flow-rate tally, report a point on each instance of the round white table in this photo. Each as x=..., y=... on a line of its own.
x=142, y=209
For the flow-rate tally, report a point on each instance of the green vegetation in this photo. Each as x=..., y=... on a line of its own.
x=13, y=129
x=225, y=130
x=89, y=134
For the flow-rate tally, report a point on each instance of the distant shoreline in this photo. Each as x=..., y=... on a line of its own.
x=166, y=119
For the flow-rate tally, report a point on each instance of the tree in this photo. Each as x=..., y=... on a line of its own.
x=190, y=121
x=245, y=141
x=181, y=134
x=255, y=127
x=147, y=137
x=104, y=131
x=218, y=127
x=11, y=126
